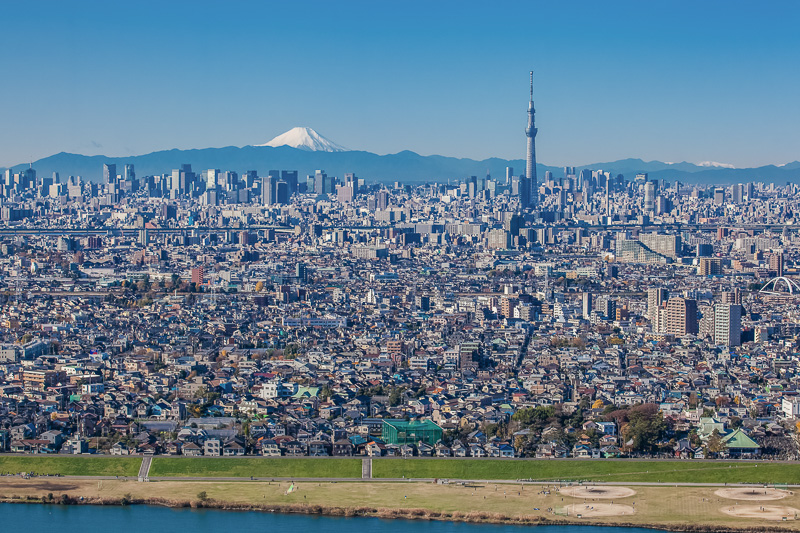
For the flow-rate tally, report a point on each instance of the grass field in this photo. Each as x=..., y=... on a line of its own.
x=622, y=471
x=655, y=506
x=262, y=467
x=70, y=466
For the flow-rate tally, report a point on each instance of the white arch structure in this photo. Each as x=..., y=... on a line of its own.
x=771, y=287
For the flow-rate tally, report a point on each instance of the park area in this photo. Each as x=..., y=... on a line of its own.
x=627, y=470
x=70, y=465
x=258, y=467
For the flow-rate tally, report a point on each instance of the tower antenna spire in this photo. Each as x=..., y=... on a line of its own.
x=531, y=86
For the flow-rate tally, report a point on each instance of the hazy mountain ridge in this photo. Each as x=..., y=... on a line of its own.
x=404, y=166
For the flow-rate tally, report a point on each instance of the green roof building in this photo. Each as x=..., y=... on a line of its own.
x=739, y=444
x=410, y=432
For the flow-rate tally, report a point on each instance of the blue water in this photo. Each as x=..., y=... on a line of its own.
x=144, y=519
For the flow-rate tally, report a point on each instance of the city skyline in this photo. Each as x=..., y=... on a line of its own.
x=684, y=83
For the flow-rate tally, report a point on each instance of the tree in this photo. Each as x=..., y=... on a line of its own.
x=645, y=427
x=202, y=496
x=395, y=396
x=714, y=444
x=259, y=286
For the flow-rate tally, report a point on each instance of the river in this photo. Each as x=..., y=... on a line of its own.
x=145, y=519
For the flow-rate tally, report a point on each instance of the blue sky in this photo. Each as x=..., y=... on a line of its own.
x=671, y=80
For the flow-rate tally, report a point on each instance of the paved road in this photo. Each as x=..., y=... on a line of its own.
x=144, y=469
x=415, y=480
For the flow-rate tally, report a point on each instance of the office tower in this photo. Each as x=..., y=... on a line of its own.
x=704, y=250
x=569, y=171
x=649, y=196
x=681, y=317
x=586, y=304
x=719, y=196
x=509, y=173
x=319, y=181
x=520, y=188
x=737, y=193
x=513, y=223
x=128, y=173
x=109, y=173
x=345, y=193
x=290, y=177
x=655, y=299
x=382, y=199
x=530, y=167
x=268, y=192
x=727, y=324
x=175, y=182
x=282, y=194
x=776, y=263
x=300, y=272
x=212, y=179
x=249, y=177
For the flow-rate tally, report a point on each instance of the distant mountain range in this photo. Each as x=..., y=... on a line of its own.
x=305, y=150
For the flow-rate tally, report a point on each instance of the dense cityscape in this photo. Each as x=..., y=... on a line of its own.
x=225, y=313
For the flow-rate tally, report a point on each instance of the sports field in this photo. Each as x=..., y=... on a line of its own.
x=589, y=470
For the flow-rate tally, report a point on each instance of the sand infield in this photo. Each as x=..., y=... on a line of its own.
x=751, y=493
x=763, y=512
x=603, y=492
x=598, y=509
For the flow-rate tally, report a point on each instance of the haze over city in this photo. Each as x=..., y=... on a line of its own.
x=679, y=81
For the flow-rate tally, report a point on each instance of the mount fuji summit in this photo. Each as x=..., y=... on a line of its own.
x=305, y=139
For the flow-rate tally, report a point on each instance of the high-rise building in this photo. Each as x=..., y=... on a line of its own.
x=709, y=266
x=300, y=271
x=649, y=196
x=109, y=173
x=530, y=166
x=382, y=199
x=776, y=263
x=249, y=178
x=586, y=301
x=681, y=317
x=727, y=324
x=655, y=300
x=268, y=190
x=212, y=179
x=609, y=308
x=731, y=297
x=704, y=250
x=669, y=245
x=282, y=193
x=128, y=172
x=719, y=196
x=198, y=275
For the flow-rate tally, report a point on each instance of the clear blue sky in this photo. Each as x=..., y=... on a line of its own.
x=668, y=80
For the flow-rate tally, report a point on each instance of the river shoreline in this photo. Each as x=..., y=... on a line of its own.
x=476, y=517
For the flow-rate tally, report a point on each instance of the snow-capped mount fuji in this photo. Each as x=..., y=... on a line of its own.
x=305, y=139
